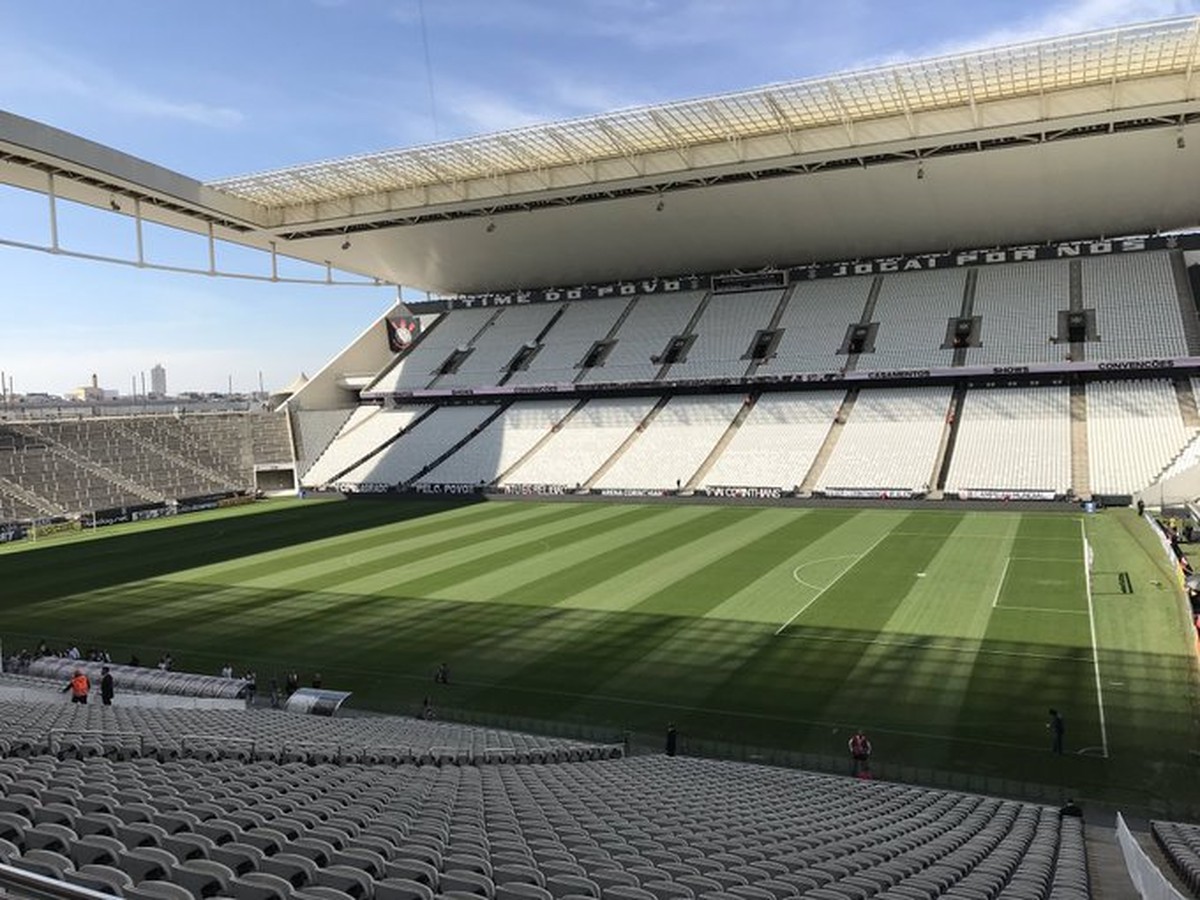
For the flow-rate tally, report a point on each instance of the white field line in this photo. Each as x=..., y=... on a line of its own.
x=926, y=645
x=841, y=575
x=1087, y=574
x=824, y=559
x=1042, y=609
x=1000, y=585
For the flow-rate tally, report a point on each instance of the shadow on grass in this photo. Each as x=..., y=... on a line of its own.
x=57, y=570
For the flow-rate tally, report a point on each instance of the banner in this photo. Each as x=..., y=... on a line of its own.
x=532, y=489
x=744, y=493
x=723, y=281
x=453, y=488
x=987, y=494
x=869, y=493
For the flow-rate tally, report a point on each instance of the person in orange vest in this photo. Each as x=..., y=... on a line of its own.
x=78, y=686
x=860, y=754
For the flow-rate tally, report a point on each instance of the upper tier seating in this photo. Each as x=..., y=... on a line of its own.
x=498, y=343
x=776, y=444
x=912, y=310
x=419, y=366
x=1018, y=305
x=668, y=453
x=1180, y=842
x=814, y=324
x=577, y=450
x=724, y=333
x=1137, y=307
x=1134, y=429
x=501, y=444
x=644, y=334
x=890, y=440
x=1013, y=439
x=569, y=340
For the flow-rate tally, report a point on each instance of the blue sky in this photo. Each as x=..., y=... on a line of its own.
x=228, y=87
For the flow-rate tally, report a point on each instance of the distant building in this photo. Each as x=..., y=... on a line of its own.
x=92, y=393
x=158, y=381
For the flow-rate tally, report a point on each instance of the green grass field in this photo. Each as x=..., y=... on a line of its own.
x=946, y=634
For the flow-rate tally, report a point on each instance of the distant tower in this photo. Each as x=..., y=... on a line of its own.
x=158, y=380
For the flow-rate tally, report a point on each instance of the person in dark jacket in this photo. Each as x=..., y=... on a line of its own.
x=106, y=686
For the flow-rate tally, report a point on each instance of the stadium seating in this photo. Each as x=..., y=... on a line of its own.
x=363, y=432
x=579, y=448
x=889, y=442
x=814, y=324
x=1137, y=307
x=643, y=335
x=1180, y=842
x=724, y=332
x=668, y=453
x=501, y=444
x=428, y=439
x=777, y=442
x=569, y=340
x=498, y=343
x=1013, y=439
x=1018, y=307
x=418, y=367
x=912, y=311
x=649, y=828
x=315, y=430
x=1135, y=430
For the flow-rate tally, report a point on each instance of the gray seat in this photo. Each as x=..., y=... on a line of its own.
x=147, y=864
x=49, y=837
x=96, y=849
x=297, y=870
x=669, y=890
x=516, y=873
x=415, y=870
x=520, y=890
x=141, y=834
x=189, y=846
x=361, y=858
x=97, y=823
x=566, y=885
x=320, y=892
x=44, y=862
x=203, y=877
x=104, y=879
x=242, y=858
x=626, y=892
x=260, y=886
x=158, y=890
x=467, y=882
x=404, y=889
x=355, y=882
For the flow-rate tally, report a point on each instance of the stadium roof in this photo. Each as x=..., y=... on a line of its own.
x=846, y=100
x=1056, y=139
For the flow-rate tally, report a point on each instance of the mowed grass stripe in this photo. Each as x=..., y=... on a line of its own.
x=564, y=540
x=340, y=567
x=596, y=573
x=758, y=548
x=778, y=593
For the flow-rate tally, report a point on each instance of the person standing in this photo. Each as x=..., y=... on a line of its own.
x=672, y=739
x=1057, y=728
x=106, y=687
x=859, y=746
x=78, y=686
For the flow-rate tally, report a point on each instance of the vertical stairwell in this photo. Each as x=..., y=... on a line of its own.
x=1187, y=302
x=687, y=329
x=867, y=314
x=1081, y=479
x=627, y=443
x=941, y=465
x=773, y=324
x=830, y=442
x=719, y=448
x=967, y=310
x=612, y=335
x=1075, y=270
x=1187, y=402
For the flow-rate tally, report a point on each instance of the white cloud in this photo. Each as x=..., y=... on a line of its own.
x=1073, y=17
x=35, y=73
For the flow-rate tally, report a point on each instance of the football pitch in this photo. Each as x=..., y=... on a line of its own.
x=946, y=634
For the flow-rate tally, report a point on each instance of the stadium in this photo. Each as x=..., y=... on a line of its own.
x=861, y=402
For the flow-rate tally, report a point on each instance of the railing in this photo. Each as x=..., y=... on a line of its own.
x=22, y=883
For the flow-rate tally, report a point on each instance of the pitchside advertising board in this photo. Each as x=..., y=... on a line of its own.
x=772, y=277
